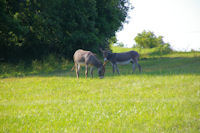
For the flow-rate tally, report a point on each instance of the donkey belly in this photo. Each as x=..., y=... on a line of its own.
x=124, y=62
x=83, y=64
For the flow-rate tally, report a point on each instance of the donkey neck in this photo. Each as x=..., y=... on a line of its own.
x=110, y=55
x=97, y=63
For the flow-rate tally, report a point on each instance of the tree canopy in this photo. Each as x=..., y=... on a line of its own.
x=32, y=29
x=148, y=40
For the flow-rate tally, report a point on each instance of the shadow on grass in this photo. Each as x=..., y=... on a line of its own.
x=150, y=66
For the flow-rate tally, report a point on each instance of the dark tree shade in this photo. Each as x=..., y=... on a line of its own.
x=32, y=29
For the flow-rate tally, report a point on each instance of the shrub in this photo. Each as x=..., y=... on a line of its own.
x=164, y=49
x=150, y=40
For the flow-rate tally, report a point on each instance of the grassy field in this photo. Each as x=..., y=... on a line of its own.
x=165, y=97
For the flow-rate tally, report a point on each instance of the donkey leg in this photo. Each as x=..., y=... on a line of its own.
x=138, y=65
x=91, y=71
x=133, y=66
x=113, y=66
x=77, y=67
x=86, y=71
x=140, y=68
x=117, y=68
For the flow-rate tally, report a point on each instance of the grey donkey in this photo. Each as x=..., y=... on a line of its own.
x=87, y=59
x=121, y=58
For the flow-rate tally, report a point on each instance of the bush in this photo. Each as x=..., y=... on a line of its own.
x=164, y=49
x=150, y=40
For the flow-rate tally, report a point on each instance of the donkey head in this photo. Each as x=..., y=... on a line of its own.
x=105, y=54
x=101, y=71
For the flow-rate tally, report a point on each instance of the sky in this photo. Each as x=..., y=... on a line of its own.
x=178, y=21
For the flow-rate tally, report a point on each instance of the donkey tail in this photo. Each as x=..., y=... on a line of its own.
x=73, y=68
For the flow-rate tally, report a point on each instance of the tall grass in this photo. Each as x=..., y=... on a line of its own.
x=48, y=65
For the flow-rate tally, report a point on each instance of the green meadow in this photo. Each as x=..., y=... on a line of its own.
x=47, y=97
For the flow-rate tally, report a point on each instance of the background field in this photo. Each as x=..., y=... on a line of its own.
x=47, y=97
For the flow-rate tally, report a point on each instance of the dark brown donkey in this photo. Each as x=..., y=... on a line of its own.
x=87, y=58
x=121, y=58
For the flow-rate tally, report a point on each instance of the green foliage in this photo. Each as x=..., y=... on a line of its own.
x=112, y=40
x=47, y=65
x=165, y=48
x=120, y=44
x=150, y=40
x=34, y=29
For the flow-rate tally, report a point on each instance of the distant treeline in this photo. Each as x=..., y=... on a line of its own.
x=33, y=29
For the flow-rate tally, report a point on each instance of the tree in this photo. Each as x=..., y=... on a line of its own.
x=32, y=29
x=112, y=40
x=148, y=40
